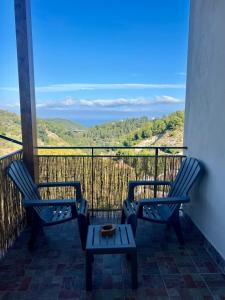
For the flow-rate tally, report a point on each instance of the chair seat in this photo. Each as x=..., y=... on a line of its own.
x=157, y=213
x=54, y=214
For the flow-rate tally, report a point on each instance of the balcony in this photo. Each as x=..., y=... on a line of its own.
x=55, y=270
x=165, y=270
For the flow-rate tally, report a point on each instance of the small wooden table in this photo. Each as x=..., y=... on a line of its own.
x=121, y=242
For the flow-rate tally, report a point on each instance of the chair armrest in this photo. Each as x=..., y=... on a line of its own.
x=129, y=214
x=168, y=200
x=133, y=184
x=59, y=183
x=75, y=184
x=129, y=208
x=52, y=202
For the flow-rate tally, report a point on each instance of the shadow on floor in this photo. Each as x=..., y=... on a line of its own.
x=56, y=268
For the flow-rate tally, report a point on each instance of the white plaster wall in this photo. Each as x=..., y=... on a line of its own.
x=205, y=116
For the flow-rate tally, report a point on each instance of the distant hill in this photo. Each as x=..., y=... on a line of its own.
x=109, y=134
x=51, y=132
x=165, y=131
x=57, y=132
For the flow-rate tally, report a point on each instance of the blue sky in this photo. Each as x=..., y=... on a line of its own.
x=98, y=61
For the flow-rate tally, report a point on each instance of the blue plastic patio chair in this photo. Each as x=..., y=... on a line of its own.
x=163, y=210
x=49, y=212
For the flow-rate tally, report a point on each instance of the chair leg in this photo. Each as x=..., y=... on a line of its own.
x=123, y=217
x=88, y=219
x=36, y=228
x=132, y=220
x=83, y=222
x=89, y=260
x=177, y=228
x=134, y=271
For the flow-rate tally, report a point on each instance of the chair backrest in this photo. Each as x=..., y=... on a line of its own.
x=19, y=174
x=188, y=173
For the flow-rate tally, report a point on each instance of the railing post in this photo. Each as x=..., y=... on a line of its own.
x=156, y=170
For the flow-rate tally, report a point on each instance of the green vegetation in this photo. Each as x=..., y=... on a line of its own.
x=156, y=128
x=10, y=124
x=165, y=131
x=57, y=132
x=110, y=134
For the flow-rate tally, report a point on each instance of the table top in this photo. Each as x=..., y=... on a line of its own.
x=122, y=239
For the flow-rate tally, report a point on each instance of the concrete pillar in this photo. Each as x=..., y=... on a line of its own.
x=205, y=116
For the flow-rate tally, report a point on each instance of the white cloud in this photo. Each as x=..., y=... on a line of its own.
x=70, y=87
x=97, y=103
x=68, y=102
x=182, y=73
x=120, y=104
x=15, y=104
x=114, y=102
x=9, y=89
x=167, y=100
x=54, y=104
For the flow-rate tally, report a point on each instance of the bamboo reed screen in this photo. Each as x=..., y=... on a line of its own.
x=12, y=214
x=105, y=180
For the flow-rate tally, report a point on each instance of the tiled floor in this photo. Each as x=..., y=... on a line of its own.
x=166, y=271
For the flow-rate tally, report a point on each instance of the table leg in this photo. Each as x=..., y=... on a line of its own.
x=134, y=272
x=89, y=260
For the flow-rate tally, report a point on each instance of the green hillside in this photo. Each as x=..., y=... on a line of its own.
x=109, y=134
x=165, y=131
x=57, y=132
x=51, y=132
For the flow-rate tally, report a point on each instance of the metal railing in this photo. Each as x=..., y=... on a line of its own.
x=6, y=138
x=104, y=172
